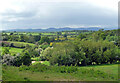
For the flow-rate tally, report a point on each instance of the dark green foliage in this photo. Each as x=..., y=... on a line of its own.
x=33, y=51
x=11, y=33
x=37, y=37
x=45, y=68
x=18, y=60
x=5, y=51
x=83, y=53
x=64, y=69
x=62, y=53
x=26, y=58
x=81, y=36
x=44, y=39
x=5, y=44
x=59, y=33
x=35, y=68
x=44, y=46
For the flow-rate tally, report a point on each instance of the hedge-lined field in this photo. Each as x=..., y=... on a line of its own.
x=24, y=43
x=12, y=50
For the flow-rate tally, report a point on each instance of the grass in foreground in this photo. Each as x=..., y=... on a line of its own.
x=40, y=72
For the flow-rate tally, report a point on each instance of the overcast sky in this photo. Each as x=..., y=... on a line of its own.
x=23, y=14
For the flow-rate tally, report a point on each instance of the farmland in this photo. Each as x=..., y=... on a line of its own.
x=12, y=50
x=96, y=73
x=60, y=56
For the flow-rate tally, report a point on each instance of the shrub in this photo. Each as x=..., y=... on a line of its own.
x=17, y=60
x=35, y=68
x=8, y=59
x=26, y=59
x=44, y=46
x=5, y=51
x=66, y=69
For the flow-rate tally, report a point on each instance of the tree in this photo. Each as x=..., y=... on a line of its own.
x=18, y=60
x=26, y=59
x=65, y=35
x=44, y=39
x=102, y=35
x=37, y=37
x=5, y=51
x=59, y=33
x=81, y=36
x=62, y=53
x=46, y=54
x=11, y=33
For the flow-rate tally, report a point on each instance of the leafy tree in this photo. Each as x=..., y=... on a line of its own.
x=11, y=33
x=26, y=59
x=59, y=33
x=46, y=54
x=18, y=60
x=44, y=39
x=5, y=51
x=81, y=36
x=37, y=37
x=103, y=36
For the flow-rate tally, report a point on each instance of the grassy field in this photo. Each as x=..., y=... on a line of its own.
x=12, y=50
x=90, y=73
x=24, y=43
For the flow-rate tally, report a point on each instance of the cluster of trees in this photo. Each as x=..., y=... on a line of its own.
x=34, y=51
x=21, y=38
x=109, y=35
x=82, y=53
x=23, y=58
x=27, y=38
x=17, y=60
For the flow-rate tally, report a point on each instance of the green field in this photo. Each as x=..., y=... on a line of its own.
x=90, y=73
x=24, y=43
x=12, y=50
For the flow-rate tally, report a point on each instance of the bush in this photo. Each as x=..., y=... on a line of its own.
x=44, y=46
x=8, y=59
x=17, y=60
x=44, y=68
x=5, y=51
x=66, y=69
x=35, y=68
x=26, y=59
x=44, y=39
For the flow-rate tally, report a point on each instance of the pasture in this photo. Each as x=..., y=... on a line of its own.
x=24, y=43
x=90, y=73
x=12, y=50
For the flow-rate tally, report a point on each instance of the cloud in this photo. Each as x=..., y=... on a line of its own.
x=44, y=14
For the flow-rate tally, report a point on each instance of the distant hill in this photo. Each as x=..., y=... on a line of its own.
x=55, y=29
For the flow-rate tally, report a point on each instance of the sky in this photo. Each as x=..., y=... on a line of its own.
x=37, y=14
